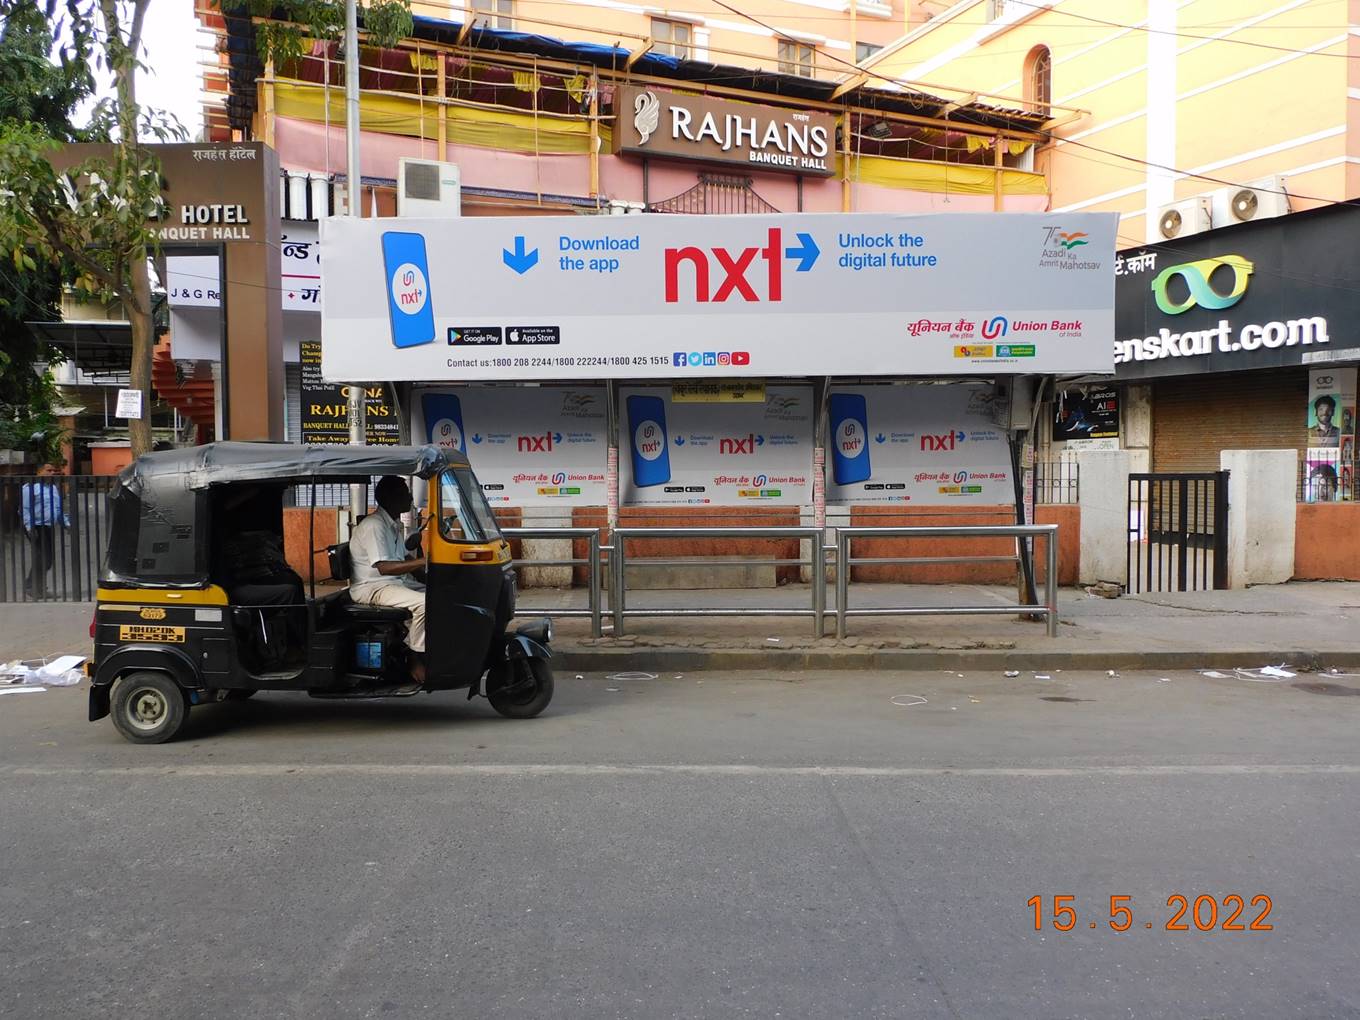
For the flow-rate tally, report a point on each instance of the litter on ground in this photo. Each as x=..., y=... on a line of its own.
x=907, y=700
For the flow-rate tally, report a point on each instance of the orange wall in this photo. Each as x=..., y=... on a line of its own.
x=1327, y=542
x=1068, y=519
x=297, y=535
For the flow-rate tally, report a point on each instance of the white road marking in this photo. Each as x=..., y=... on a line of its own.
x=266, y=770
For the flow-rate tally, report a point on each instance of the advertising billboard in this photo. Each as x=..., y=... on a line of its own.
x=711, y=297
x=1269, y=293
x=685, y=453
x=529, y=446
x=1087, y=420
x=915, y=444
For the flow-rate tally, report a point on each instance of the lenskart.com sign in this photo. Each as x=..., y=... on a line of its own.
x=1270, y=293
x=1214, y=283
x=659, y=123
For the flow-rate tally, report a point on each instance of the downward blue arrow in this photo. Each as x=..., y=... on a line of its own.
x=476, y=437
x=880, y=438
x=807, y=254
x=679, y=440
x=520, y=260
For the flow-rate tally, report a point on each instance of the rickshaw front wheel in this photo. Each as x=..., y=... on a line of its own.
x=520, y=688
x=148, y=707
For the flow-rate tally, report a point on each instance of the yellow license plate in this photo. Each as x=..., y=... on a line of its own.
x=148, y=632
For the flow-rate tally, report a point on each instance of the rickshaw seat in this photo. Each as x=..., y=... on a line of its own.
x=355, y=612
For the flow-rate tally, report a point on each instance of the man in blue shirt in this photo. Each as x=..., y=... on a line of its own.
x=42, y=511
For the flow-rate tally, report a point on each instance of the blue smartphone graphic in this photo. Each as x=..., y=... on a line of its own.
x=444, y=421
x=408, y=289
x=849, y=438
x=651, y=449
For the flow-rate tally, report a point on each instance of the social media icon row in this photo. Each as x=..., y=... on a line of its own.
x=709, y=359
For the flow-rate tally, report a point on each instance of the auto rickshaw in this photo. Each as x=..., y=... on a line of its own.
x=184, y=616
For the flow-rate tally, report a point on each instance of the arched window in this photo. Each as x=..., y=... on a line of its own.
x=1039, y=79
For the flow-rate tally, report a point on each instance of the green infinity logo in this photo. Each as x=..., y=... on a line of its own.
x=1196, y=276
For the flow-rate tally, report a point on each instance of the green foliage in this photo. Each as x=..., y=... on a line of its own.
x=286, y=25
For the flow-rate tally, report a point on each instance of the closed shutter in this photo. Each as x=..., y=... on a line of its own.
x=1194, y=419
x=292, y=402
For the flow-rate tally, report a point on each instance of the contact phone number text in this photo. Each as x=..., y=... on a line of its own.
x=562, y=361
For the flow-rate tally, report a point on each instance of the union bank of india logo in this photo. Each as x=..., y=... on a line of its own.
x=1214, y=283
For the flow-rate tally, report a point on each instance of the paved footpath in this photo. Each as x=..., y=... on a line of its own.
x=1313, y=623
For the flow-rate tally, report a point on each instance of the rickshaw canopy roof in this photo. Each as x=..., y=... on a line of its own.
x=201, y=467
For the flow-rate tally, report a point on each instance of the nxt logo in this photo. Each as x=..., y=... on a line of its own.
x=1198, y=280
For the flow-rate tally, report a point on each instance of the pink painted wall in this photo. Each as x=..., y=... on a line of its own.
x=304, y=145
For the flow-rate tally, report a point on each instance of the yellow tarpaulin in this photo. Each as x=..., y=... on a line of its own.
x=488, y=129
x=921, y=175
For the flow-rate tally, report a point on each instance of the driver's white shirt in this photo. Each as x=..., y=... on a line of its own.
x=377, y=538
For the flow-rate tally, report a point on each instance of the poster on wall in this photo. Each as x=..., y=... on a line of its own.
x=325, y=406
x=915, y=444
x=688, y=453
x=1087, y=421
x=530, y=446
x=1330, y=460
x=1331, y=406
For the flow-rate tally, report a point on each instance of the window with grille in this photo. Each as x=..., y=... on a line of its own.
x=495, y=13
x=864, y=50
x=1039, y=79
x=796, y=58
x=673, y=38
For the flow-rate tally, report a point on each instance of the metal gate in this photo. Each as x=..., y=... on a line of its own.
x=716, y=194
x=1178, y=532
x=53, y=530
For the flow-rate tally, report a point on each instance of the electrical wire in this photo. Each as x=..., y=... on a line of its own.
x=1185, y=35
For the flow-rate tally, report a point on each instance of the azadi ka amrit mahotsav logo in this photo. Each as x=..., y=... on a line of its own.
x=1198, y=278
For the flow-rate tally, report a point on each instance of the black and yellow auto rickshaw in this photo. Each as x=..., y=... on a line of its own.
x=184, y=616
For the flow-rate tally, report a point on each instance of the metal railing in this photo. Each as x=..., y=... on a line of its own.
x=591, y=561
x=53, y=532
x=845, y=562
x=1057, y=481
x=618, y=567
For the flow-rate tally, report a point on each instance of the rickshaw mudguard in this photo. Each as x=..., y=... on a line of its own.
x=131, y=658
x=518, y=646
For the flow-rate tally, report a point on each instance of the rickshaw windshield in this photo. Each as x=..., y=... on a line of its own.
x=464, y=515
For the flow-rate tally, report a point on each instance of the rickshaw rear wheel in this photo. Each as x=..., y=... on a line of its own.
x=148, y=707
x=520, y=688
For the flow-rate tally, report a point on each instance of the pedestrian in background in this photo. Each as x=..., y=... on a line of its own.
x=43, y=512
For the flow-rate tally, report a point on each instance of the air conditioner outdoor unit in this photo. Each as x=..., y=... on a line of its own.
x=1181, y=219
x=428, y=188
x=1255, y=200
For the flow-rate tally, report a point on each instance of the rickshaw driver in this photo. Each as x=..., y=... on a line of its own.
x=380, y=571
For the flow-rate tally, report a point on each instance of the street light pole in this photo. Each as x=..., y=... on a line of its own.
x=358, y=494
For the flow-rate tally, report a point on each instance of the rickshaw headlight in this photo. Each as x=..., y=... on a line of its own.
x=539, y=630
